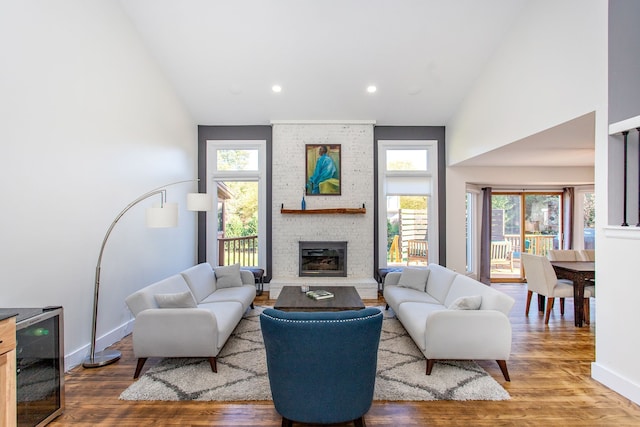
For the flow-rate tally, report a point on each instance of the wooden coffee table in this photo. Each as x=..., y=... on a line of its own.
x=291, y=298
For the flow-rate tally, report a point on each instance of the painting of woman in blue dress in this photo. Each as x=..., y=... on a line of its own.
x=323, y=169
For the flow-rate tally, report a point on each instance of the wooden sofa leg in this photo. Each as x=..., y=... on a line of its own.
x=214, y=365
x=430, y=363
x=141, y=362
x=387, y=307
x=503, y=368
x=252, y=307
x=286, y=422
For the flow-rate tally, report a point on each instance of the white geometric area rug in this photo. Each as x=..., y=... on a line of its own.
x=242, y=372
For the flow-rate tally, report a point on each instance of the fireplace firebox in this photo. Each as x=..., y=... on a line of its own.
x=323, y=259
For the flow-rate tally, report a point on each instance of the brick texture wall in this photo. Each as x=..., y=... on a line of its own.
x=356, y=187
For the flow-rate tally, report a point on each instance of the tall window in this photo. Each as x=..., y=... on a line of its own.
x=407, y=177
x=236, y=178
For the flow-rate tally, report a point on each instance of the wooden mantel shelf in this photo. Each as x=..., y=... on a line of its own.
x=330, y=211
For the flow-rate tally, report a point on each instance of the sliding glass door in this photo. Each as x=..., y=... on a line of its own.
x=506, y=235
x=522, y=222
x=542, y=223
x=586, y=218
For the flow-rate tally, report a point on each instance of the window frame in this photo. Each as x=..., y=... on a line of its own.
x=431, y=174
x=214, y=175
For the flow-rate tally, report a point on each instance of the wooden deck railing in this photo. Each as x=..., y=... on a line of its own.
x=539, y=244
x=243, y=250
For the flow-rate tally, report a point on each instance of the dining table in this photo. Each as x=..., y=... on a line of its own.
x=581, y=273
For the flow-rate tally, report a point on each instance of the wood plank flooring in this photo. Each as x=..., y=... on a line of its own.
x=550, y=386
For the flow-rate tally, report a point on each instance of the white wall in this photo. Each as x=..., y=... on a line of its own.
x=87, y=124
x=551, y=68
x=617, y=345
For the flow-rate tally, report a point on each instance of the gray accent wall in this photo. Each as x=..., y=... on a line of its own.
x=399, y=133
x=624, y=59
x=413, y=133
x=231, y=133
x=624, y=102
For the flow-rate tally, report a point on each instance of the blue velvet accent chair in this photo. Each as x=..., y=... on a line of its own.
x=322, y=365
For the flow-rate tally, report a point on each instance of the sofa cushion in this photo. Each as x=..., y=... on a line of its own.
x=228, y=276
x=492, y=299
x=413, y=316
x=414, y=278
x=228, y=314
x=466, y=303
x=176, y=300
x=201, y=280
x=439, y=281
x=396, y=295
x=143, y=299
x=244, y=294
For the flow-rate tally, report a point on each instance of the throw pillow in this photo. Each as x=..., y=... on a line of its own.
x=228, y=276
x=414, y=278
x=177, y=300
x=467, y=303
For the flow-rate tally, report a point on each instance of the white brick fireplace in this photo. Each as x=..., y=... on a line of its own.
x=356, y=139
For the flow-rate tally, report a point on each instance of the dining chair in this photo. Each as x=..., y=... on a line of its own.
x=542, y=279
x=562, y=255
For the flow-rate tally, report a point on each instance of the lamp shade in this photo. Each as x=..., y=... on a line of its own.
x=163, y=217
x=199, y=202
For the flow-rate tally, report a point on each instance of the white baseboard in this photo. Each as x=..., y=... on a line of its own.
x=615, y=382
x=76, y=357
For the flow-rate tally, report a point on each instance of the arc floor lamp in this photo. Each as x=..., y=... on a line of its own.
x=166, y=215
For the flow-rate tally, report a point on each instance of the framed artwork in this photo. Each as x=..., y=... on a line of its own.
x=322, y=170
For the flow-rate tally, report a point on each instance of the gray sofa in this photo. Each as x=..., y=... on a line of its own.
x=190, y=314
x=451, y=316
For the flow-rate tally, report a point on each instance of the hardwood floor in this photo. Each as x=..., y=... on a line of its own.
x=550, y=386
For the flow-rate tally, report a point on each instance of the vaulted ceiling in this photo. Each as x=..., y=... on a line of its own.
x=223, y=57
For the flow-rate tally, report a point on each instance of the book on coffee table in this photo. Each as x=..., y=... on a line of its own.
x=319, y=294
x=345, y=298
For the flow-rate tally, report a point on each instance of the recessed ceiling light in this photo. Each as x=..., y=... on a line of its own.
x=372, y=89
x=276, y=88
